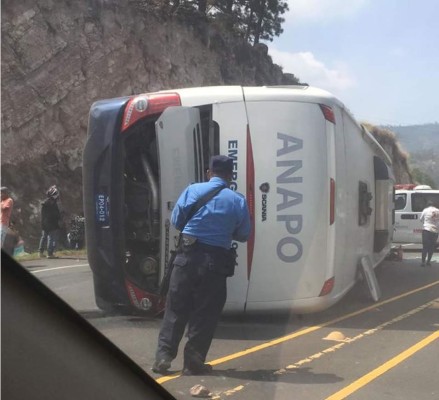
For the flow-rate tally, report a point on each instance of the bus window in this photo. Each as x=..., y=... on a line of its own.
x=210, y=132
x=364, y=204
x=400, y=201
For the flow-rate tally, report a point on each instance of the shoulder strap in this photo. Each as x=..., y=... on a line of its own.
x=201, y=202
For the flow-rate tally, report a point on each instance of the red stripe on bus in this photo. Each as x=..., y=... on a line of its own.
x=250, y=201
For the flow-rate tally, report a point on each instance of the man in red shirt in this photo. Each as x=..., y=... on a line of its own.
x=6, y=210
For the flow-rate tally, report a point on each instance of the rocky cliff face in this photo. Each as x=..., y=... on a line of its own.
x=59, y=56
x=399, y=157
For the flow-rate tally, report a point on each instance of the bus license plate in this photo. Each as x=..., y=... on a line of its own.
x=102, y=209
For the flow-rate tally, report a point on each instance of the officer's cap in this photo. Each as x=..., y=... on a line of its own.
x=221, y=165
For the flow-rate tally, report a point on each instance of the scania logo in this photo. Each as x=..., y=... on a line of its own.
x=264, y=207
x=265, y=187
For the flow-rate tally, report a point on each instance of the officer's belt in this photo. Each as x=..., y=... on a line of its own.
x=197, y=245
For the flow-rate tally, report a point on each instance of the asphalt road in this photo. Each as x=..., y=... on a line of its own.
x=358, y=348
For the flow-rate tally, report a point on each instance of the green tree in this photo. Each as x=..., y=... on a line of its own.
x=186, y=6
x=229, y=13
x=263, y=19
x=255, y=20
x=225, y=6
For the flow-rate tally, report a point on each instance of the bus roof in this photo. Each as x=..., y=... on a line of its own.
x=213, y=94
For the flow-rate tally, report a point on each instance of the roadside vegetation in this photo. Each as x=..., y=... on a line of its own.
x=61, y=253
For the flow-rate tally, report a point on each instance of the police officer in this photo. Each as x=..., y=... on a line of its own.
x=197, y=289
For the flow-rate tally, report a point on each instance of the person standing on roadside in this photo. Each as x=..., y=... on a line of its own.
x=6, y=210
x=197, y=288
x=430, y=231
x=50, y=220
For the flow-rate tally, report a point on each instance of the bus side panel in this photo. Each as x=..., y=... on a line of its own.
x=341, y=256
x=359, y=171
x=291, y=202
x=232, y=121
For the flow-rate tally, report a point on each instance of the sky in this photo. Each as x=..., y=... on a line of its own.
x=379, y=57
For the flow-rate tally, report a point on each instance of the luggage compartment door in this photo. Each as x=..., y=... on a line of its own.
x=179, y=141
x=234, y=142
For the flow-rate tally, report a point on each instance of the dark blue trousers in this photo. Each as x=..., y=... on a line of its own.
x=51, y=238
x=196, y=297
x=429, y=240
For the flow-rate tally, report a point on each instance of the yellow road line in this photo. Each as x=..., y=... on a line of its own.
x=229, y=392
x=330, y=350
x=302, y=332
x=364, y=380
x=362, y=335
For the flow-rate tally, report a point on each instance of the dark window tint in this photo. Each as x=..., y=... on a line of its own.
x=420, y=200
x=400, y=201
x=210, y=133
x=364, y=209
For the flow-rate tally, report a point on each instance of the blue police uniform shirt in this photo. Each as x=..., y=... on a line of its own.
x=223, y=219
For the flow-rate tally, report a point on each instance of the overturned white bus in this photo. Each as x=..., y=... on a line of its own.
x=318, y=185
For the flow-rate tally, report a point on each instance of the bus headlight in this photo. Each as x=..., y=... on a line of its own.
x=145, y=304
